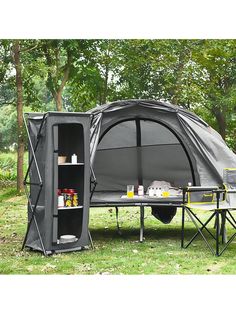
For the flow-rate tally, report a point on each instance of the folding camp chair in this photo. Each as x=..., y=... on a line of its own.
x=219, y=202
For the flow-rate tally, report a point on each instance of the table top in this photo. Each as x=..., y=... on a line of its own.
x=120, y=199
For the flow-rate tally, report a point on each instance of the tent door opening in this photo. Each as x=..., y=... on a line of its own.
x=138, y=152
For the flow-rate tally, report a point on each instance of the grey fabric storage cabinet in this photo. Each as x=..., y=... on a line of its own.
x=51, y=135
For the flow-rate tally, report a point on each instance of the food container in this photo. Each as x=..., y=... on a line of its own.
x=61, y=159
x=75, y=201
x=61, y=201
x=140, y=190
x=165, y=193
x=74, y=159
x=67, y=238
x=151, y=192
x=68, y=199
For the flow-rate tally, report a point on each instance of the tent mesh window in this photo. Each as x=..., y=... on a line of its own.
x=139, y=152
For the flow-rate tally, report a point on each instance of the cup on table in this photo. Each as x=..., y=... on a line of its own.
x=130, y=191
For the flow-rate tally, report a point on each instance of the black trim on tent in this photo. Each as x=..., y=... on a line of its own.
x=139, y=155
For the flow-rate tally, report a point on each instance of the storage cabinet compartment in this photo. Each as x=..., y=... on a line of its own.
x=70, y=222
x=71, y=176
x=71, y=141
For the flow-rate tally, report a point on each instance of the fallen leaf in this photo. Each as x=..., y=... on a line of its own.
x=48, y=267
x=30, y=268
x=177, y=266
x=135, y=251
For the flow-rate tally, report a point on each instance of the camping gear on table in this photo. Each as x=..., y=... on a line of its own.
x=130, y=191
x=140, y=190
x=162, y=189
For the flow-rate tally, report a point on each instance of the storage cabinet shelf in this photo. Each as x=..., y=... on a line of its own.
x=74, y=207
x=70, y=164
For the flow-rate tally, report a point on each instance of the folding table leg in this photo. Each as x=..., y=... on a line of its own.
x=141, y=223
x=182, y=229
x=217, y=232
x=117, y=221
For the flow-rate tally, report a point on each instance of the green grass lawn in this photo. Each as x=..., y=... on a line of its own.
x=113, y=254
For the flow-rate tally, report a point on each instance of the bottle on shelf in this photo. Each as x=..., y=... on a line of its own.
x=74, y=159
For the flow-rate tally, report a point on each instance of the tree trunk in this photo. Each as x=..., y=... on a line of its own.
x=104, y=98
x=58, y=100
x=20, y=134
x=220, y=118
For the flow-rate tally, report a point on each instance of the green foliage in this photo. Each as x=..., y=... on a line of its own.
x=8, y=127
x=8, y=168
x=197, y=74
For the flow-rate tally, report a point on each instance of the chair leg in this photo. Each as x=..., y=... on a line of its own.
x=223, y=228
x=199, y=230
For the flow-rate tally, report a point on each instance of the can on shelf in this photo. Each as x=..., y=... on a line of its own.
x=68, y=199
x=75, y=200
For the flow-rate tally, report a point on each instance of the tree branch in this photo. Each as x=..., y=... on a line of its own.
x=29, y=49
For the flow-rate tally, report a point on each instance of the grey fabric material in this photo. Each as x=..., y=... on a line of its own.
x=63, y=133
x=121, y=135
x=207, y=151
x=164, y=214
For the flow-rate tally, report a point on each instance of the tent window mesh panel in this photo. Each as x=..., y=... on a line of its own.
x=118, y=136
x=156, y=134
x=150, y=152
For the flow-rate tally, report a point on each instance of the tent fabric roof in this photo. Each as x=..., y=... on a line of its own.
x=123, y=104
x=209, y=153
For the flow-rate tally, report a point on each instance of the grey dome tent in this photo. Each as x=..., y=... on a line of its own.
x=125, y=142
x=139, y=141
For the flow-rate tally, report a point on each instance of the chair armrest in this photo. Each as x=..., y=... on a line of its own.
x=231, y=191
x=200, y=188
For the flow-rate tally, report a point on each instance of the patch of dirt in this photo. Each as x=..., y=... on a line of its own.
x=214, y=268
x=14, y=199
x=2, y=239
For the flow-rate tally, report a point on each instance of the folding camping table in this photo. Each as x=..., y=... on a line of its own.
x=113, y=199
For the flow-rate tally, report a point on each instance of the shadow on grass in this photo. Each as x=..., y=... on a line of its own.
x=150, y=234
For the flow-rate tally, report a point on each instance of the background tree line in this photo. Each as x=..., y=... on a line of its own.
x=75, y=75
